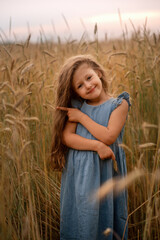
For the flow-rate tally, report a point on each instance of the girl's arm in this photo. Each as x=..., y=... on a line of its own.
x=108, y=134
x=73, y=140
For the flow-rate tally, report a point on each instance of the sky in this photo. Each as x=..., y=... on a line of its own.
x=70, y=19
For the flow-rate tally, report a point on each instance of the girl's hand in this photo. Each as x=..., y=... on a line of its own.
x=74, y=115
x=104, y=151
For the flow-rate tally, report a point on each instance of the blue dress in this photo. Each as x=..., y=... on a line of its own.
x=81, y=217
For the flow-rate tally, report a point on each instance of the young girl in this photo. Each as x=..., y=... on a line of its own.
x=88, y=129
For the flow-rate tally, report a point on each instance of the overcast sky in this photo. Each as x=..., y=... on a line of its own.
x=31, y=16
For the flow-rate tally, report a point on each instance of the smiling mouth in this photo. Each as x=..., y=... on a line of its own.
x=91, y=90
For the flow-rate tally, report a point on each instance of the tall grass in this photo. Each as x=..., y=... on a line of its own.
x=29, y=192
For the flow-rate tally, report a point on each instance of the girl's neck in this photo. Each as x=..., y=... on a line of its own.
x=104, y=97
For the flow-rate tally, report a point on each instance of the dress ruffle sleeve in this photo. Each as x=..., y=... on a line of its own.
x=117, y=101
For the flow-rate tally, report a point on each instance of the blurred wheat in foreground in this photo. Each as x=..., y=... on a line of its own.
x=29, y=191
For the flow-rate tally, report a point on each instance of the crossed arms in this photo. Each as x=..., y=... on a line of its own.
x=105, y=135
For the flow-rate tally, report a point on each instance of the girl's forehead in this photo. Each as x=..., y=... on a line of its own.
x=82, y=69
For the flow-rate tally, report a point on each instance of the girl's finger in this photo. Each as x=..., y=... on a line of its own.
x=63, y=108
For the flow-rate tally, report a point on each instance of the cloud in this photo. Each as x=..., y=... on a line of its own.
x=113, y=17
x=113, y=23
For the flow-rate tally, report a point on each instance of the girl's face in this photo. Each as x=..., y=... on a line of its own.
x=87, y=84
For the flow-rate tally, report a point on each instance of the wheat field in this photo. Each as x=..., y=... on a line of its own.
x=29, y=190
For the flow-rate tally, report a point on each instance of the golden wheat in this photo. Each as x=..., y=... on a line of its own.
x=29, y=192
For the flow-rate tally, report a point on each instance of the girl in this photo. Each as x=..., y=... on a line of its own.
x=87, y=121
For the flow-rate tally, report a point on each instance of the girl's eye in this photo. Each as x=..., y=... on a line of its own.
x=79, y=86
x=89, y=77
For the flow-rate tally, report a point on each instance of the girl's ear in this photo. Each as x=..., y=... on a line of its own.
x=99, y=74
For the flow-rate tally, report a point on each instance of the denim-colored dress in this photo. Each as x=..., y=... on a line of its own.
x=81, y=216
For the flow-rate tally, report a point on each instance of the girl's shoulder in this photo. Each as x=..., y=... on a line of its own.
x=118, y=100
x=75, y=103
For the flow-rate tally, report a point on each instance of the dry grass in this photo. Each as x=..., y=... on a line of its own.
x=29, y=193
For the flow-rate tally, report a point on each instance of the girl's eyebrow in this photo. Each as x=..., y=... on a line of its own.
x=80, y=80
x=77, y=83
x=87, y=74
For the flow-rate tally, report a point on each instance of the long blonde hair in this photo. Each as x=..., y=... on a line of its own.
x=65, y=93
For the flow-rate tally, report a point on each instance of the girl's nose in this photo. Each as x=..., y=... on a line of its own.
x=88, y=85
